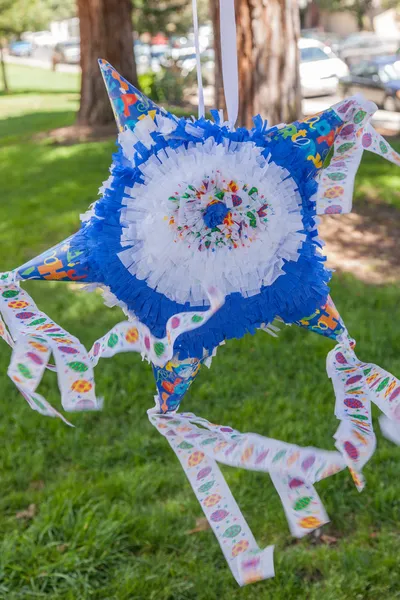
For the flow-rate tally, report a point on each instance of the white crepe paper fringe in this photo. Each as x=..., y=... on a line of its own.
x=153, y=220
x=271, y=329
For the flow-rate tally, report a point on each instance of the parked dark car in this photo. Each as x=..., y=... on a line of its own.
x=365, y=45
x=20, y=48
x=378, y=80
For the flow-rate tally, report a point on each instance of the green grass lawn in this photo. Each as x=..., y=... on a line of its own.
x=112, y=505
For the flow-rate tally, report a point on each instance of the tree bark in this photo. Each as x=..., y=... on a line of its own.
x=219, y=98
x=105, y=32
x=3, y=70
x=268, y=58
x=311, y=15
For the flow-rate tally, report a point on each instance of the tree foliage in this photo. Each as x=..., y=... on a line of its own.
x=61, y=9
x=153, y=16
x=168, y=16
x=17, y=16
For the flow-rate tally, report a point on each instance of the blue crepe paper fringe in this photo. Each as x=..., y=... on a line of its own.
x=295, y=294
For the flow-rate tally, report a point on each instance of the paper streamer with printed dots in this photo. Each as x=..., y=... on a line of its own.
x=37, y=336
x=336, y=180
x=34, y=336
x=134, y=336
x=199, y=445
x=356, y=385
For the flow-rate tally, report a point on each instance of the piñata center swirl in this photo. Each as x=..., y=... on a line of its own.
x=211, y=214
x=219, y=213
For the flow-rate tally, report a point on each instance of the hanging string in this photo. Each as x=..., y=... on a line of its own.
x=229, y=59
x=198, y=59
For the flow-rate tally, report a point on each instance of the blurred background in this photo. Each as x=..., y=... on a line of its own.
x=102, y=511
x=342, y=47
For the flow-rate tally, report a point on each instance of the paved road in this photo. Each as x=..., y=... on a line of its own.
x=41, y=58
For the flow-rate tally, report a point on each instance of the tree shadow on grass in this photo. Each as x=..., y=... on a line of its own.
x=24, y=92
x=44, y=189
x=365, y=242
x=12, y=128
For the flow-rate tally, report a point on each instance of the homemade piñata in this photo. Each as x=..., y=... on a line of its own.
x=206, y=232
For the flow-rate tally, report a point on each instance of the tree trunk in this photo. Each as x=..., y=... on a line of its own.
x=269, y=82
x=219, y=99
x=311, y=15
x=105, y=32
x=3, y=70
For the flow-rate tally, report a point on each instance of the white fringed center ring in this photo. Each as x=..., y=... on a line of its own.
x=219, y=213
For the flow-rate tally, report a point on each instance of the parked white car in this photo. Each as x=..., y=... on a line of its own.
x=320, y=68
x=41, y=39
x=187, y=63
